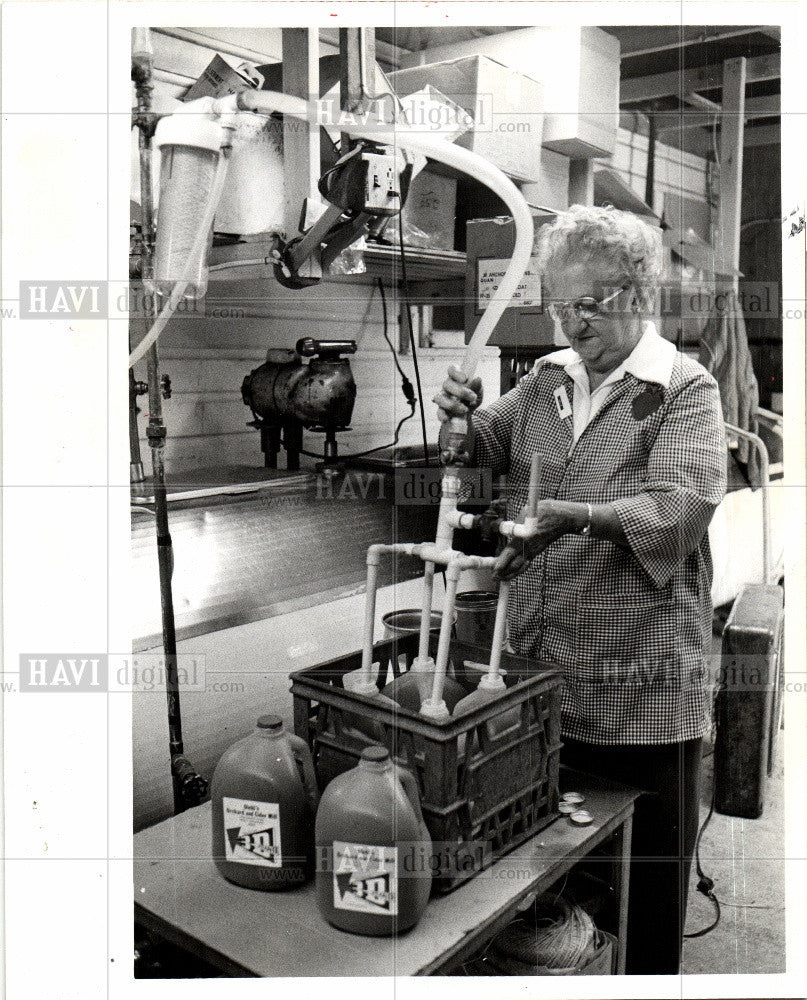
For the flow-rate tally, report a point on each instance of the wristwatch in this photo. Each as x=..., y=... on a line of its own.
x=585, y=531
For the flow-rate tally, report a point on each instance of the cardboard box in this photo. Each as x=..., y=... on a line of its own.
x=551, y=190
x=506, y=105
x=490, y=247
x=578, y=67
x=224, y=75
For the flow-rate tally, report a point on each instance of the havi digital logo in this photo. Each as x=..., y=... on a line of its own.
x=63, y=299
x=57, y=672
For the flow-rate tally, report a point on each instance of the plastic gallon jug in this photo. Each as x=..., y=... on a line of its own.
x=264, y=796
x=374, y=852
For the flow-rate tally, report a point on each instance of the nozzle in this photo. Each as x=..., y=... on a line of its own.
x=436, y=710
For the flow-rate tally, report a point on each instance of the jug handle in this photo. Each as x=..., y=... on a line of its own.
x=302, y=753
x=410, y=787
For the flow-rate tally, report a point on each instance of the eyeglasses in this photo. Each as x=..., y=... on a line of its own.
x=585, y=308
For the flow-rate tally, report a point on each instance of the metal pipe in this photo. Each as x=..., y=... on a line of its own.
x=181, y=778
x=136, y=473
x=651, y=159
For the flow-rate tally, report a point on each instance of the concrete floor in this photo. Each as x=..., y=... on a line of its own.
x=744, y=857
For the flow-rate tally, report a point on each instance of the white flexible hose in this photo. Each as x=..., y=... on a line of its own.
x=180, y=286
x=268, y=102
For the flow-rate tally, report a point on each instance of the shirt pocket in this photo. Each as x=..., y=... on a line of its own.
x=623, y=644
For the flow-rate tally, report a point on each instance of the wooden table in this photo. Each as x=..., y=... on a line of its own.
x=180, y=895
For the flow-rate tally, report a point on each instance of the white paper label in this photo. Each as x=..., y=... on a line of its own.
x=252, y=832
x=365, y=878
x=489, y=274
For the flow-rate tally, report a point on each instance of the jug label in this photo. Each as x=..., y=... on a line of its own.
x=252, y=832
x=365, y=878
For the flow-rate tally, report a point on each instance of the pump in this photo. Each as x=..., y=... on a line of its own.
x=286, y=395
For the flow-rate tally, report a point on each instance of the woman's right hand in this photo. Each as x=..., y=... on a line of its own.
x=459, y=396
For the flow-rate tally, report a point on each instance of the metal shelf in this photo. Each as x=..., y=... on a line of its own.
x=381, y=260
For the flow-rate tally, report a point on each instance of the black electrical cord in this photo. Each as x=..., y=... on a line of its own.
x=322, y=183
x=408, y=312
x=369, y=451
x=406, y=385
x=706, y=885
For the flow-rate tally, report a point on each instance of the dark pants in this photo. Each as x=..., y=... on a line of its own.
x=665, y=826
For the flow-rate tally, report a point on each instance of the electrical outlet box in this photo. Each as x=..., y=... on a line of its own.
x=382, y=192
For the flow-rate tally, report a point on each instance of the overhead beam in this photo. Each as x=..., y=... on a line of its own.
x=201, y=38
x=772, y=31
x=698, y=101
x=700, y=39
x=765, y=135
x=755, y=107
x=675, y=83
x=700, y=142
x=731, y=162
x=392, y=54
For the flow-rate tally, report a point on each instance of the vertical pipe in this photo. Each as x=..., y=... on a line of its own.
x=369, y=622
x=142, y=74
x=650, y=180
x=136, y=474
x=435, y=706
x=425, y=615
x=534, y=484
x=498, y=633
x=732, y=125
x=449, y=492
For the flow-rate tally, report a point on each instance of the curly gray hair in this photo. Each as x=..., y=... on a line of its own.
x=619, y=241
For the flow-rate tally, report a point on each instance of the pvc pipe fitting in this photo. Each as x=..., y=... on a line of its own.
x=458, y=519
x=435, y=710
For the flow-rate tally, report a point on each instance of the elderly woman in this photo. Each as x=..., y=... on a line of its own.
x=615, y=588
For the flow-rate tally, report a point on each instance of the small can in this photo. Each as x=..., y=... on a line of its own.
x=581, y=817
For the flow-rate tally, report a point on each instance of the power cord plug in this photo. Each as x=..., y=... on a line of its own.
x=409, y=391
x=706, y=886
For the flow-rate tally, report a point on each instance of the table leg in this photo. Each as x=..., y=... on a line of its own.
x=621, y=882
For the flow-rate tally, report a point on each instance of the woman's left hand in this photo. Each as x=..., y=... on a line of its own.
x=554, y=520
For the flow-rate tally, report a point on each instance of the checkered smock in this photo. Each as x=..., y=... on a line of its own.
x=629, y=628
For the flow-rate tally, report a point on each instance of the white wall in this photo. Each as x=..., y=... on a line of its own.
x=207, y=359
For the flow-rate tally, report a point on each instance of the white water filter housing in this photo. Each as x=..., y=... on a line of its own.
x=189, y=144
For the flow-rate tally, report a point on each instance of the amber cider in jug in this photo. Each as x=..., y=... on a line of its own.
x=264, y=797
x=373, y=849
